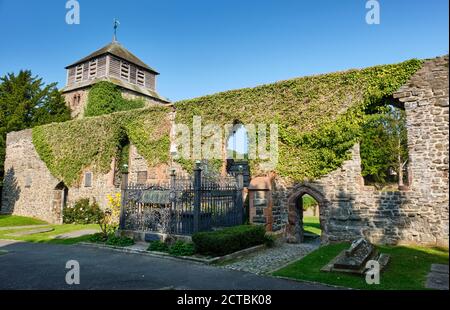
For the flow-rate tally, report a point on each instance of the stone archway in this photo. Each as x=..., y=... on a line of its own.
x=60, y=194
x=294, y=227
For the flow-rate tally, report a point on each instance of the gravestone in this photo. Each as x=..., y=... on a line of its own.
x=354, y=259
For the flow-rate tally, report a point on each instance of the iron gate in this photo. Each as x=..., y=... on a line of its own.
x=182, y=206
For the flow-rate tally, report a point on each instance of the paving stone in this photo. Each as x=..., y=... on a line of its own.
x=77, y=233
x=31, y=232
x=437, y=281
x=440, y=268
x=22, y=227
x=270, y=259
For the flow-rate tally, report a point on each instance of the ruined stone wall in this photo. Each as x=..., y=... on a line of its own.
x=31, y=190
x=76, y=101
x=417, y=214
x=28, y=185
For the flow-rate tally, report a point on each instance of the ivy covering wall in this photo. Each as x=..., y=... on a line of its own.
x=69, y=148
x=319, y=119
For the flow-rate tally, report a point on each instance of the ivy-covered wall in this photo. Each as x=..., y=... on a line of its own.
x=68, y=148
x=319, y=119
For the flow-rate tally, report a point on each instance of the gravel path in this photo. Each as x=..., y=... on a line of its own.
x=268, y=260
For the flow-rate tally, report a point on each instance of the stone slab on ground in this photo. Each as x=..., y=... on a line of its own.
x=139, y=246
x=271, y=259
x=22, y=227
x=77, y=233
x=438, y=277
x=31, y=232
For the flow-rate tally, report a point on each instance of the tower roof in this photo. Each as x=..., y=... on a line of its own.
x=116, y=49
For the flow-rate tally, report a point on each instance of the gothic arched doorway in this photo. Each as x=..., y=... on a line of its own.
x=60, y=194
x=294, y=228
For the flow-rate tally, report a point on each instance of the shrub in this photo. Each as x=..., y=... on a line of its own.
x=181, y=248
x=98, y=238
x=109, y=221
x=82, y=212
x=229, y=240
x=119, y=241
x=158, y=246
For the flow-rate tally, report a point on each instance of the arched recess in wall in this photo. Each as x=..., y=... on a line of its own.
x=122, y=159
x=60, y=199
x=294, y=228
x=237, y=151
x=384, y=146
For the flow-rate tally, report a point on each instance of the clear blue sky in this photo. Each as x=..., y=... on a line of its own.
x=205, y=46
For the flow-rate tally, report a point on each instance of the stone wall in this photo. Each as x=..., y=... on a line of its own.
x=77, y=106
x=30, y=189
x=28, y=185
x=349, y=209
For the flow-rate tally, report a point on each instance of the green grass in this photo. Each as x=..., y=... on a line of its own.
x=311, y=224
x=14, y=220
x=407, y=269
x=48, y=237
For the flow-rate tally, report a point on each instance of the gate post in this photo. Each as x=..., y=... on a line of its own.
x=239, y=199
x=123, y=195
x=197, y=195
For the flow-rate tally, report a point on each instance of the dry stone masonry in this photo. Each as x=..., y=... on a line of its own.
x=348, y=208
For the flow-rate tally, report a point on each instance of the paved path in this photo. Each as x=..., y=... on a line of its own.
x=23, y=227
x=438, y=277
x=268, y=260
x=42, y=266
x=77, y=233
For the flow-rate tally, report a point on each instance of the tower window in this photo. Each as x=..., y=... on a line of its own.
x=125, y=71
x=79, y=73
x=93, y=68
x=140, y=77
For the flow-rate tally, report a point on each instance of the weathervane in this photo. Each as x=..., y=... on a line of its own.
x=116, y=25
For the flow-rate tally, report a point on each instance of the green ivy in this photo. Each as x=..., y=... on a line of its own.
x=69, y=148
x=319, y=119
x=105, y=98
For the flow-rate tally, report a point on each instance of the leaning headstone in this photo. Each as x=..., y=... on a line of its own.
x=354, y=259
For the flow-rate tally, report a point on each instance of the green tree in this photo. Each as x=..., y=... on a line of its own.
x=25, y=102
x=384, y=145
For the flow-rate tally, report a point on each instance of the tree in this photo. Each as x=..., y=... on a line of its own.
x=25, y=102
x=384, y=145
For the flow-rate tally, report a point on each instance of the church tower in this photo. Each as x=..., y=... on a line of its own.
x=113, y=63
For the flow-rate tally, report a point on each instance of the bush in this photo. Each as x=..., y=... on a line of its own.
x=181, y=248
x=229, y=240
x=158, y=246
x=119, y=241
x=98, y=238
x=82, y=212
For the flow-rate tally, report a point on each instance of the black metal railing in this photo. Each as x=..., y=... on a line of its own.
x=182, y=206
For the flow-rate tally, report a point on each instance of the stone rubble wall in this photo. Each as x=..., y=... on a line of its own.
x=28, y=185
x=417, y=214
x=23, y=165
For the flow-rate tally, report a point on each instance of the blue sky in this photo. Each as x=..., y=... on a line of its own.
x=205, y=46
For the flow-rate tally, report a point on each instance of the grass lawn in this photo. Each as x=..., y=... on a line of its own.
x=48, y=237
x=311, y=224
x=407, y=268
x=14, y=220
